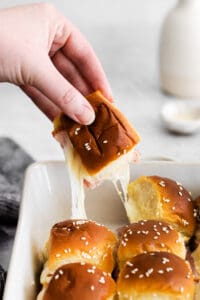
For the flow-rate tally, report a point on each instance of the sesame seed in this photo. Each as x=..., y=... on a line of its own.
x=185, y=222
x=61, y=272
x=85, y=255
x=105, y=142
x=58, y=255
x=169, y=269
x=180, y=194
x=141, y=276
x=87, y=146
x=180, y=187
x=126, y=276
x=102, y=280
x=162, y=245
x=92, y=287
x=138, y=232
x=189, y=199
x=56, y=276
x=134, y=271
x=160, y=271
x=83, y=238
x=128, y=263
x=165, y=260
x=123, y=244
x=76, y=132
x=155, y=237
x=148, y=272
x=173, y=208
x=165, y=229
x=182, y=289
x=145, y=232
x=67, y=250
x=162, y=183
x=86, y=243
x=91, y=271
x=166, y=200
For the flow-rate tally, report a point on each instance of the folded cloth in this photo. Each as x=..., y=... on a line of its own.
x=13, y=162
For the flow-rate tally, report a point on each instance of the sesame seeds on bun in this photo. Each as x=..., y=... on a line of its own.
x=76, y=281
x=79, y=241
x=105, y=140
x=156, y=275
x=154, y=197
x=147, y=236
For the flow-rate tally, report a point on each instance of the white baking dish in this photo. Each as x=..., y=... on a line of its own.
x=46, y=200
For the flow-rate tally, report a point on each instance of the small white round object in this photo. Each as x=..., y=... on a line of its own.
x=182, y=116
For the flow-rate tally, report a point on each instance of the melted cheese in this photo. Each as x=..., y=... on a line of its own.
x=117, y=172
x=76, y=176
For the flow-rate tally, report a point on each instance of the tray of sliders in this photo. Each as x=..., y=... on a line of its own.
x=128, y=233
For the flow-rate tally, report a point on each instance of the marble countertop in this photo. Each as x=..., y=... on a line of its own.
x=125, y=35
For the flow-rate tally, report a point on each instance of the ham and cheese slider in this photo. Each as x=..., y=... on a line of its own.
x=155, y=197
x=156, y=275
x=148, y=236
x=79, y=281
x=101, y=150
x=79, y=241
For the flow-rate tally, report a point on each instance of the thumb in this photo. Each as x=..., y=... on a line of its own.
x=58, y=90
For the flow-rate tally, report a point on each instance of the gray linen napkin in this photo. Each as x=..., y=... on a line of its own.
x=13, y=162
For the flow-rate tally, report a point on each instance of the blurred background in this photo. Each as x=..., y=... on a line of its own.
x=126, y=37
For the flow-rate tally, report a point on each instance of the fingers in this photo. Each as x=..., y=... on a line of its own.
x=78, y=50
x=71, y=73
x=42, y=102
x=61, y=93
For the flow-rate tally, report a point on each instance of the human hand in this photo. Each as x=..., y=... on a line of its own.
x=46, y=55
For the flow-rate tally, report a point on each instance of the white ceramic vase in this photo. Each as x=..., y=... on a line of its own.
x=180, y=50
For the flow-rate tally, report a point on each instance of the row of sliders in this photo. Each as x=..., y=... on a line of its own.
x=153, y=257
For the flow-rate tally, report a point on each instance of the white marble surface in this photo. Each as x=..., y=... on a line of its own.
x=125, y=35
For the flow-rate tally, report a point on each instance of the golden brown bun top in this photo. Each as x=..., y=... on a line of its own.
x=181, y=204
x=80, y=281
x=160, y=272
x=147, y=236
x=102, y=142
x=81, y=240
x=176, y=201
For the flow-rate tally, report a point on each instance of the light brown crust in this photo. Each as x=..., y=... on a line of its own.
x=81, y=241
x=107, y=138
x=177, y=205
x=147, y=236
x=80, y=281
x=157, y=272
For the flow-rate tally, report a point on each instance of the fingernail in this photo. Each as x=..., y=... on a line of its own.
x=86, y=116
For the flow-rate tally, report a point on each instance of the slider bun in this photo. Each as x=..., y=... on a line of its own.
x=79, y=241
x=78, y=281
x=147, y=236
x=196, y=261
x=154, y=197
x=156, y=275
x=104, y=141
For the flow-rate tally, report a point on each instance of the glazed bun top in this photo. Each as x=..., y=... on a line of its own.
x=105, y=140
x=147, y=236
x=79, y=281
x=155, y=197
x=81, y=241
x=158, y=273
